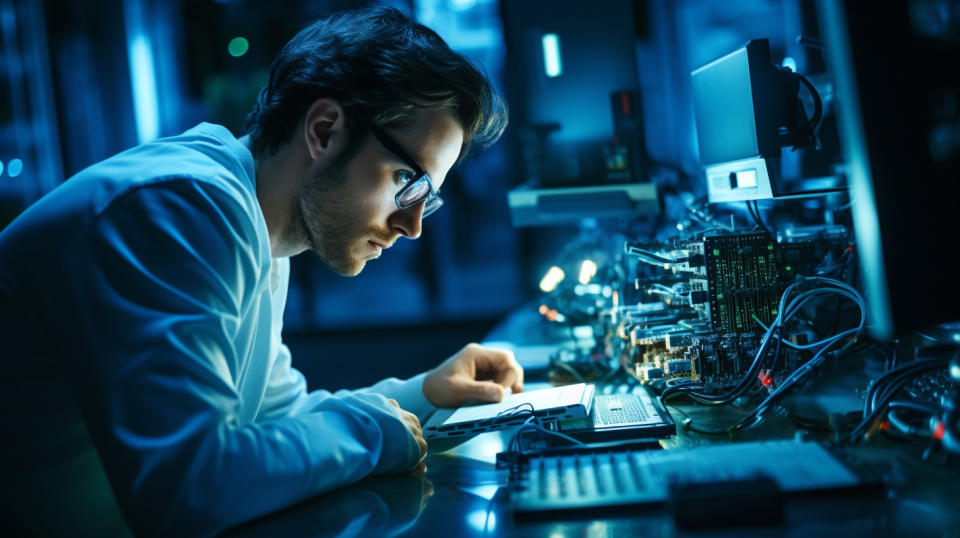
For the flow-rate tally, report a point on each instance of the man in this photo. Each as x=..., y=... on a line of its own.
x=141, y=302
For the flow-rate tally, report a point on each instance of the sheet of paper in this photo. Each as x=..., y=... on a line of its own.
x=542, y=400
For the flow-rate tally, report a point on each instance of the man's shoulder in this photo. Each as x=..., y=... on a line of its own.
x=205, y=164
x=207, y=154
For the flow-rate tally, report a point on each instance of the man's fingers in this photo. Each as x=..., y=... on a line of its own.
x=518, y=381
x=485, y=391
x=428, y=490
x=413, y=424
x=502, y=367
x=423, y=445
x=393, y=402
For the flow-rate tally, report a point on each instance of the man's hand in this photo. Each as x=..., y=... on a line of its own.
x=474, y=373
x=413, y=424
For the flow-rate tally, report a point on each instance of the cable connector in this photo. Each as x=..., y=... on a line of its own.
x=766, y=379
x=939, y=430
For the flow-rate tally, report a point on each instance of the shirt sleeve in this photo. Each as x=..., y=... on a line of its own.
x=162, y=280
x=408, y=393
x=286, y=393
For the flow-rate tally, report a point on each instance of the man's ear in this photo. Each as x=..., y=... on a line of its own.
x=324, y=128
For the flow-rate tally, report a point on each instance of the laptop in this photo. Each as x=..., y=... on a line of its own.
x=569, y=402
x=575, y=410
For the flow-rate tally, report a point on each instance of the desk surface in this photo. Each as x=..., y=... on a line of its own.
x=463, y=494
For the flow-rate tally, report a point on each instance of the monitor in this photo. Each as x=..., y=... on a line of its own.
x=746, y=109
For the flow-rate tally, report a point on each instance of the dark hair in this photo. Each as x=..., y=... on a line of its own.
x=380, y=66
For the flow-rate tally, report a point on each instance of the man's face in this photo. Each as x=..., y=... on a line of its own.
x=347, y=213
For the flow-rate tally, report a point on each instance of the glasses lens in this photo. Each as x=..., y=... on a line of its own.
x=432, y=205
x=415, y=192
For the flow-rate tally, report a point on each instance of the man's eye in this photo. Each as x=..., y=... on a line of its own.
x=405, y=176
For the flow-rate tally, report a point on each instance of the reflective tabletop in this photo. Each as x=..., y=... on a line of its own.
x=464, y=494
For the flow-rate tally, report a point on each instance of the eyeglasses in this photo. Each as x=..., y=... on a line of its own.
x=418, y=189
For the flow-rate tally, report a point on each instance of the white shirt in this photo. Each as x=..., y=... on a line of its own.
x=140, y=310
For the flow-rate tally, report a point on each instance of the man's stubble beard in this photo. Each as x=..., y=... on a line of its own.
x=324, y=223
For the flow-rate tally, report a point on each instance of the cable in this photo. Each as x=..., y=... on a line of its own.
x=817, y=104
x=803, y=373
x=651, y=257
x=530, y=425
x=754, y=211
x=902, y=424
x=785, y=312
x=881, y=392
x=798, y=376
x=797, y=136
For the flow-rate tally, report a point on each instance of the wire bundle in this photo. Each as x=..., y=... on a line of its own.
x=879, y=398
x=805, y=136
x=754, y=209
x=531, y=425
x=794, y=298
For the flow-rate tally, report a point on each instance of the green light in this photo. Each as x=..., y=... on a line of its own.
x=238, y=46
x=774, y=311
x=716, y=252
x=769, y=247
x=788, y=268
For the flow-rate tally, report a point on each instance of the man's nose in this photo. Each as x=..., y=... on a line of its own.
x=407, y=222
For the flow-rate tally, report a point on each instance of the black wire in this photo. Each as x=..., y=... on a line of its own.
x=916, y=409
x=754, y=211
x=748, y=379
x=680, y=388
x=778, y=334
x=886, y=386
x=817, y=104
x=798, y=136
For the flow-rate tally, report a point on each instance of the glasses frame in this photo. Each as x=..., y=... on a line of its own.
x=431, y=199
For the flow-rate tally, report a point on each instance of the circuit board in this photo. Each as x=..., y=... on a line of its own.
x=736, y=280
x=746, y=275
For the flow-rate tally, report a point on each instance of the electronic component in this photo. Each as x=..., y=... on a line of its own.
x=710, y=323
x=746, y=275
